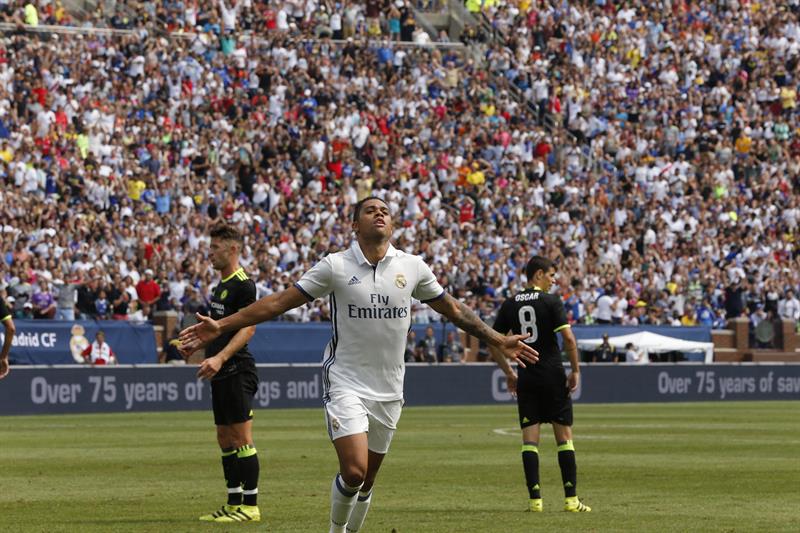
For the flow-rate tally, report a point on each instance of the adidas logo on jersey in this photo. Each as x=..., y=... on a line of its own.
x=354, y=281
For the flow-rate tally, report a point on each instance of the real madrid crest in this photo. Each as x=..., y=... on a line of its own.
x=400, y=281
x=223, y=294
x=335, y=424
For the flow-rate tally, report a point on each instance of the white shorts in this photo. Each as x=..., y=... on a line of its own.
x=347, y=414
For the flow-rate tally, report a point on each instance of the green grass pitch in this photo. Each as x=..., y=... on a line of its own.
x=670, y=467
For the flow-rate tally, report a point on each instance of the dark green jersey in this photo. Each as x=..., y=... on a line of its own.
x=232, y=294
x=540, y=314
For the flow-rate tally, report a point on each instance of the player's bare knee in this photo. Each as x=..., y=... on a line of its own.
x=239, y=439
x=354, y=475
x=562, y=433
x=224, y=438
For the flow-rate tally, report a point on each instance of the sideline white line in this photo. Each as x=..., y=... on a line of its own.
x=515, y=432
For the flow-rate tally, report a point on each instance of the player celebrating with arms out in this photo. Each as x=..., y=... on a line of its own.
x=234, y=381
x=370, y=286
x=543, y=390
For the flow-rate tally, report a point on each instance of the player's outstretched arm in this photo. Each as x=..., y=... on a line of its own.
x=267, y=308
x=511, y=346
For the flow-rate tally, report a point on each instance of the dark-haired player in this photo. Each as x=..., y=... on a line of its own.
x=234, y=381
x=543, y=390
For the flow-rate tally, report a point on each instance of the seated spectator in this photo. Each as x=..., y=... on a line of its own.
x=412, y=350
x=99, y=352
x=102, y=306
x=428, y=347
x=26, y=313
x=147, y=311
x=790, y=306
x=135, y=314
x=452, y=350
x=689, y=317
x=171, y=353
x=193, y=303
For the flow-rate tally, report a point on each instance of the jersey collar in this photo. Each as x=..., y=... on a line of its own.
x=240, y=269
x=362, y=259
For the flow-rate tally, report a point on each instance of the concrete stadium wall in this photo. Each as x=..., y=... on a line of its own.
x=134, y=388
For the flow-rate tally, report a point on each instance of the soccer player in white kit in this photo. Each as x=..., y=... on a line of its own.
x=370, y=286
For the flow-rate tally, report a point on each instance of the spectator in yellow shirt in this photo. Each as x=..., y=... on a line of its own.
x=788, y=98
x=476, y=176
x=689, y=317
x=744, y=142
x=135, y=189
x=6, y=154
x=31, y=14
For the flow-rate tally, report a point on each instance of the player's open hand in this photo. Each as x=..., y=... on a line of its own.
x=209, y=367
x=195, y=337
x=4, y=368
x=514, y=348
x=511, y=383
x=573, y=380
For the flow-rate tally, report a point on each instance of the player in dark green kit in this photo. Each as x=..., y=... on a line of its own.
x=543, y=390
x=234, y=381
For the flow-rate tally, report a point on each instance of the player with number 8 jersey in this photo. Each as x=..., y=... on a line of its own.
x=543, y=390
x=542, y=315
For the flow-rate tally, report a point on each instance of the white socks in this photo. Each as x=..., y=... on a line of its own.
x=343, y=499
x=359, y=513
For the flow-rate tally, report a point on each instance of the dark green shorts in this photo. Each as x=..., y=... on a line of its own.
x=232, y=397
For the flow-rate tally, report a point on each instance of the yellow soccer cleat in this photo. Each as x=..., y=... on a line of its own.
x=245, y=513
x=574, y=505
x=223, y=511
x=535, y=505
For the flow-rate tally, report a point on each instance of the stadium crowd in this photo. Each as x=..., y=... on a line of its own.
x=318, y=18
x=655, y=154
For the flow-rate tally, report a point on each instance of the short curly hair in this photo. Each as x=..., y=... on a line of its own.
x=226, y=232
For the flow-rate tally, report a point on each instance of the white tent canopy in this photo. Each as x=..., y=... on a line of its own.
x=651, y=342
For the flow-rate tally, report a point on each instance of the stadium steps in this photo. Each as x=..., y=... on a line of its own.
x=773, y=356
x=453, y=18
x=726, y=355
x=460, y=15
x=732, y=355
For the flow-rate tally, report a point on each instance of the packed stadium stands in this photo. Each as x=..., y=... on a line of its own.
x=651, y=147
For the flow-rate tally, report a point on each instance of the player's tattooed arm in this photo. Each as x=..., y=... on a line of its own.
x=464, y=318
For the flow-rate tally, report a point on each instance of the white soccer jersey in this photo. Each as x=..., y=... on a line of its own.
x=371, y=316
